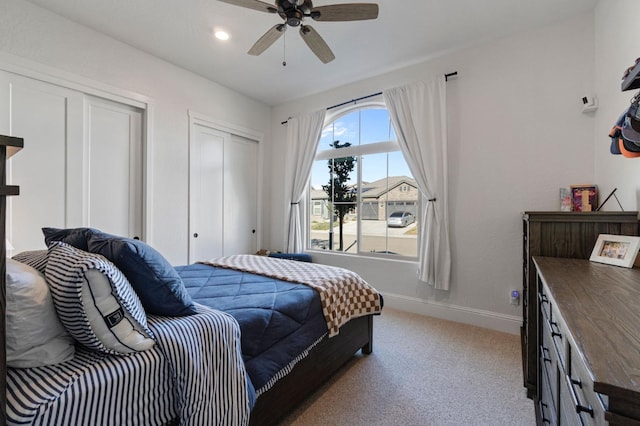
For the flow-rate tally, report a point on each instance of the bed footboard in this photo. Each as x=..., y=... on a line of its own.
x=310, y=373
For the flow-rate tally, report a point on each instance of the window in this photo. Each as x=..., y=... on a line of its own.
x=359, y=180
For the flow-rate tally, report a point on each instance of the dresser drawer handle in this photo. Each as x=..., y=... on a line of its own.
x=555, y=329
x=544, y=353
x=574, y=397
x=544, y=412
x=543, y=298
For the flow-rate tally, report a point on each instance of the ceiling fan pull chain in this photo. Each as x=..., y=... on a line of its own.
x=284, y=50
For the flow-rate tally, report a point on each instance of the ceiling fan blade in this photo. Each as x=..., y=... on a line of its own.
x=345, y=12
x=267, y=39
x=316, y=44
x=253, y=4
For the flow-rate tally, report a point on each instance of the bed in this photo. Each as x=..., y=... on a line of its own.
x=252, y=336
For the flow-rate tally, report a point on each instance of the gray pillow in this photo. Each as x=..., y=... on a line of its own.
x=35, y=336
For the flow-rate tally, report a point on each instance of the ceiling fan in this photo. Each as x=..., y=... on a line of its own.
x=294, y=11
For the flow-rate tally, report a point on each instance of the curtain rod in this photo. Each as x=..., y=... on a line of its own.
x=446, y=78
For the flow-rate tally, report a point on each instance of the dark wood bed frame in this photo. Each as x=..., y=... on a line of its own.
x=310, y=373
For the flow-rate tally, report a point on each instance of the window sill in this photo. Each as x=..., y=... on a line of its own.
x=372, y=256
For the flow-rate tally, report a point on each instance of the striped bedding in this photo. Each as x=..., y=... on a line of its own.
x=195, y=373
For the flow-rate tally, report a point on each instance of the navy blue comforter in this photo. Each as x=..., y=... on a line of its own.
x=278, y=319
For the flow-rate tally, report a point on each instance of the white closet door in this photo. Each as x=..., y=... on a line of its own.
x=115, y=168
x=49, y=118
x=206, y=186
x=81, y=164
x=222, y=194
x=240, y=196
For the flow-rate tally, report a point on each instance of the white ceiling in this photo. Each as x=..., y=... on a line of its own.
x=406, y=32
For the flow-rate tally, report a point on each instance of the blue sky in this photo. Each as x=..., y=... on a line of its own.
x=358, y=128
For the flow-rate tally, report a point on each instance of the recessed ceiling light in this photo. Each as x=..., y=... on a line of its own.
x=221, y=35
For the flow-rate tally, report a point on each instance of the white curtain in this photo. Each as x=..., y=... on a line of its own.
x=418, y=114
x=303, y=135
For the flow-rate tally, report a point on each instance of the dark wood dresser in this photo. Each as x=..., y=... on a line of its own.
x=589, y=343
x=558, y=234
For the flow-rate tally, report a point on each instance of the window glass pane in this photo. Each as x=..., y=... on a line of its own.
x=373, y=231
x=398, y=166
x=388, y=206
x=375, y=126
x=319, y=232
x=335, y=187
x=326, y=138
x=344, y=129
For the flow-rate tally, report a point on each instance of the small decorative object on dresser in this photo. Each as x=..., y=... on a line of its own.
x=565, y=200
x=619, y=250
x=585, y=198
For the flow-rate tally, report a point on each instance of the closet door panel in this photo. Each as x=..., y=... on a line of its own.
x=114, y=170
x=240, y=196
x=82, y=163
x=206, y=186
x=43, y=115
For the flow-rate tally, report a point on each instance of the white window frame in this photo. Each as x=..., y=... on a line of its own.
x=357, y=151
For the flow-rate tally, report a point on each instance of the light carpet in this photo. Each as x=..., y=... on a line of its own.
x=425, y=371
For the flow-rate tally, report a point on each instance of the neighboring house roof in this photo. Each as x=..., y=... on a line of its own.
x=373, y=189
x=319, y=194
x=380, y=187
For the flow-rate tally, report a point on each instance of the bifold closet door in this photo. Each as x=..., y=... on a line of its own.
x=222, y=194
x=76, y=165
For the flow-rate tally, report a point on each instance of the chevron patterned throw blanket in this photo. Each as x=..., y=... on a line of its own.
x=343, y=293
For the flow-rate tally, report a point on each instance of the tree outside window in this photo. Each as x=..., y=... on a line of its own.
x=342, y=196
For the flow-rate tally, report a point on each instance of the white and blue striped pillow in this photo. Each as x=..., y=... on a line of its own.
x=95, y=302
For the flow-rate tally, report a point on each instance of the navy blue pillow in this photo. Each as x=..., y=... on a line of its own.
x=154, y=279
x=76, y=237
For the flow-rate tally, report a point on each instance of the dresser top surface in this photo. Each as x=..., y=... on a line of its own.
x=601, y=306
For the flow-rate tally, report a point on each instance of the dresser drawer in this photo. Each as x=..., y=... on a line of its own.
x=559, y=336
x=549, y=364
x=586, y=403
x=548, y=411
x=544, y=303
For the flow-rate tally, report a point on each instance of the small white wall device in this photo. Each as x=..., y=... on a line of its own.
x=589, y=104
x=514, y=297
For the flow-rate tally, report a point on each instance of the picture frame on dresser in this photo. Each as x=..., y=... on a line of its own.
x=618, y=250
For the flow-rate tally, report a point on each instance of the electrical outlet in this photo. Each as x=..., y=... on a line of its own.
x=514, y=297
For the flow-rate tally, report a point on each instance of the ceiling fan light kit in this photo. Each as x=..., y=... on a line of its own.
x=293, y=12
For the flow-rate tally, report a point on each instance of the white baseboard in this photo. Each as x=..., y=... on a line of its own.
x=486, y=319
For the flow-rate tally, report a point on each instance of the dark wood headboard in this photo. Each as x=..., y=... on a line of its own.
x=8, y=146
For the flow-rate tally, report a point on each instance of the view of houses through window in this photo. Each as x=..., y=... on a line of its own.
x=363, y=196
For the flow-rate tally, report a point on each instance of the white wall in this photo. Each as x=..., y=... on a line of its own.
x=517, y=134
x=55, y=44
x=616, y=48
